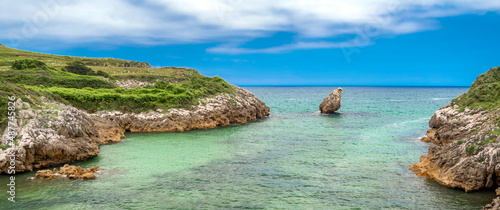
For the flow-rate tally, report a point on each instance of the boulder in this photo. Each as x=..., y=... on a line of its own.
x=72, y=172
x=332, y=102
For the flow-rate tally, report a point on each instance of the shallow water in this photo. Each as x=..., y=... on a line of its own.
x=296, y=158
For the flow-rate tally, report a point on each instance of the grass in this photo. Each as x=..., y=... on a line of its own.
x=484, y=92
x=42, y=76
x=159, y=96
x=8, y=56
x=492, y=138
x=470, y=149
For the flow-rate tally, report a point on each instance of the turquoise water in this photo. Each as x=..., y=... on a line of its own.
x=296, y=158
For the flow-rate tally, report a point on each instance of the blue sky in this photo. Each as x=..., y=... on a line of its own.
x=360, y=42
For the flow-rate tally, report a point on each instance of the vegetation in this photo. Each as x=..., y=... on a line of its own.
x=30, y=76
x=161, y=95
x=28, y=64
x=484, y=92
x=470, y=149
x=78, y=67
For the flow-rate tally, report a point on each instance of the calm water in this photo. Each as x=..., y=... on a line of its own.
x=297, y=158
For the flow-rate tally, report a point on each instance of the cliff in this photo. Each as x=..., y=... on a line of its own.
x=466, y=133
x=63, y=117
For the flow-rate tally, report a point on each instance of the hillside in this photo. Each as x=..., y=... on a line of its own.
x=142, y=87
x=67, y=106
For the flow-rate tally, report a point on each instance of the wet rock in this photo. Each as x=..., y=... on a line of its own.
x=46, y=175
x=494, y=205
x=332, y=102
x=72, y=172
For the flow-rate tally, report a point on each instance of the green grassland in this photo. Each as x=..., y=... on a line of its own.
x=484, y=92
x=174, y=87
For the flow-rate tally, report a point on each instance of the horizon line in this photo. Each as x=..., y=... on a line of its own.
x=323, y=85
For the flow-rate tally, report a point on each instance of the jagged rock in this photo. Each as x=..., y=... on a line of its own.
x=72, y=172
x=46, y=175
x=332, y=102
x=220, y=110
x=495, y=204
x=463, y=157
x=63, y=134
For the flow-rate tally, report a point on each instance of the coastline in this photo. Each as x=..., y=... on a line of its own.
x=63, y=134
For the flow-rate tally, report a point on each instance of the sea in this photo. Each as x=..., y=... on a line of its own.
x=297, y=158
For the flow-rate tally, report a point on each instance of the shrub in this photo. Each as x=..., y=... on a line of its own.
x=28, y=64
x=78, y=67
x=470, y=149
x=102, y=73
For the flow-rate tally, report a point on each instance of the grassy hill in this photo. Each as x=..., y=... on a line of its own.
x=173, y=87
x=484, y=92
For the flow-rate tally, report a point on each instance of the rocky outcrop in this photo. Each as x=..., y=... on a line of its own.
x=68, y=171
x=494, y=205
x=332, y=102
x=130, y=83
x=59, y=134
x=221, y=110
x=467, y=152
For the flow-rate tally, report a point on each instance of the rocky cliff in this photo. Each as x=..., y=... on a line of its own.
x=58, y=133
x=467, y=137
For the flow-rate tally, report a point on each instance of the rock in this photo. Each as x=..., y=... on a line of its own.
x=63, y=134
x=221, y=110
x=72, y=172
x=495, y=204
x=332, y=102
x=463, y=157
x=45, y=174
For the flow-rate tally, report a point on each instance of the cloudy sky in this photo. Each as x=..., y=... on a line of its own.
x=279, y=42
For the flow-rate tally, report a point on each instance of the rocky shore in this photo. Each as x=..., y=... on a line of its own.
x=467, y=150
x=58, y=134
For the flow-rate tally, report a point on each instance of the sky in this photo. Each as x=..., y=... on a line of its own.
x=279, y=42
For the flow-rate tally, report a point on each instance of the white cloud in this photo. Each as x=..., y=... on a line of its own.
x=224, y=21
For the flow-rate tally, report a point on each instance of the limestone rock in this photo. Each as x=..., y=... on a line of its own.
x=467, y=152
x=45, y=174
x=332, y=102
x=63, y=134
x=494, y=205
x=72, y=172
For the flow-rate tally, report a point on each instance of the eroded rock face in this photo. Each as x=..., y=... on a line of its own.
x=60, y=134
x=494, y=205
x=68, y=171
x=332, y=102
x=467, y=152
x=220, y=110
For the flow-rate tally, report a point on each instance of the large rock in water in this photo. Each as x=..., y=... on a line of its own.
x=332, y=102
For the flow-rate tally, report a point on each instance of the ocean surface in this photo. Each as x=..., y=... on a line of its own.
x=296, y=158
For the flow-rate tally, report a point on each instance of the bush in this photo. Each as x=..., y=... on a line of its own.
x=78, y=67
x=28, y=64
x=50, y=78
x=470, y=149
x=484, y=92
x=102, y=73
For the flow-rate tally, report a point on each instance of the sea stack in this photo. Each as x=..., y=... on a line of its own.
x=332, y=102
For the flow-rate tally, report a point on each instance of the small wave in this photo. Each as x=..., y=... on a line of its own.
x=394, y=100
x=438, y=99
